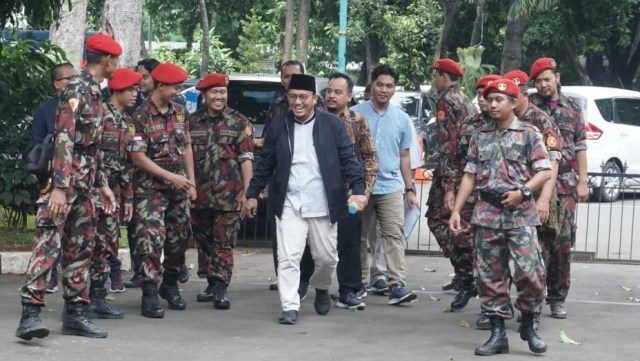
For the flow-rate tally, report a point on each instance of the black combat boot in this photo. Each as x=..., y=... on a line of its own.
x=169, y=291
x=99, y=307
x=484, y=322
x=469, y=290
x=150, y=306
x=207, y=294
x=498, y=342
x=220, y=298
x=30, y=324
x=75, y=322
x=183, y=277
x=529, y=332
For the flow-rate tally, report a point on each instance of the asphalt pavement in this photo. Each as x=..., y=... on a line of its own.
x=603, y=305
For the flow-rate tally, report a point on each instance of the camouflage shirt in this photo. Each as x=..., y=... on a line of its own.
x=117, y=165
x=162, y=136
x=453, y=107
x=549, y=130
x=76, y=161
x=465, y=133
x=567, y=115
x=219, y=145
x=503, y=161
x=364, y=145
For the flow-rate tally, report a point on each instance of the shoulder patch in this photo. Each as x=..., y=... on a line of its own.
x=441, y=115
x=180, y=117
x=73, y=103
x=132, y=129
x=552, y=142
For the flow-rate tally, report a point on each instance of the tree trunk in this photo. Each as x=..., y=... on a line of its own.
x=69, y=34
x=302, y=47
x=450, y=8
x=569, y=46
x=204, y=47
x=372, y=50
x=288, y=30
x=478, y=24
x=512, y=50
x=123, y=21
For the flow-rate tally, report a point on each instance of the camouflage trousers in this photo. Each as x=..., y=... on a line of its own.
x=163, y=224
x=73, y=235
x=557, y=253
x=106, y=245
x=215, y=233
x=494, y=249
x=457, y=247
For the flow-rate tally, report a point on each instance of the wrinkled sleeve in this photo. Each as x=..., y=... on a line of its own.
x=139, y=142
x=351, y=168
x=472, y=155
x=368, y=153
x=68, y=111
x=126, y=176
x=538, y=156
x=447, y=137
x=245, y=141
x=580, y=131
x=552, y=137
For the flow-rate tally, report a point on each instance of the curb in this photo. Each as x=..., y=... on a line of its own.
x=17, y=262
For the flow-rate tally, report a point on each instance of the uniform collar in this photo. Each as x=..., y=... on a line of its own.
x=91, y=81
x=154, y=110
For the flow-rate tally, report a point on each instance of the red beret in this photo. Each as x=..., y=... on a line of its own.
x=124, y=78
x=212, y=81
x=517, y=76
x=447, y=66
x=504, y=86
x=541, y=65
x=484, y=81
x=103, y=44
x=168, y=73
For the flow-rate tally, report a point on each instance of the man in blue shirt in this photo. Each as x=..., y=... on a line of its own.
x=391, y=129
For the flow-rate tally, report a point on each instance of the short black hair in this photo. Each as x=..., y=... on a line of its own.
x=384, y=69
x=344, y=76
x=95, y=58
x=451, y=76
x=149, y=64
x=56, y=70
x=294, y=62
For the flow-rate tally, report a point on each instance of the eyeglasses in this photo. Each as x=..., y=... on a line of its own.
x=293, y=97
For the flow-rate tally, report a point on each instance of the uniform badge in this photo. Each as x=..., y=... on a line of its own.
x=516, y=81
x=248, y=130
x=180, y=117
x=436, y=64
x=502, y=87
x=440, y=115
x=73, y=103
x=552, y=62
x=132, y=129
x=552, y=142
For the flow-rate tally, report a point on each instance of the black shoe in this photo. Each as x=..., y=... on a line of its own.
x=134, y=282
x=461, y=300
x=100, y=308
x=288, y=317
x=75, y=322
x=302, y=290
x=30, y=324
x=498, y=342
x=529, y=332
x=322, y=304
x=170, y=292
x=183, y=276
x=558, y=310
x=220, y=298
x=483, y=323
x=350, y=301
x=207, y=294
x=455, y=284
x=150, y=306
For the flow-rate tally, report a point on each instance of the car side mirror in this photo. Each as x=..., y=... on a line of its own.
x=427, y=115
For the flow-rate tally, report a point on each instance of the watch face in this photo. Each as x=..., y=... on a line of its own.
x=526, y=192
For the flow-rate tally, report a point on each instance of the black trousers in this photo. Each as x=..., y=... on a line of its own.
x=136, y=262
x=348, y=270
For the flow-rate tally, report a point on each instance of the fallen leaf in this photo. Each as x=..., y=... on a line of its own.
x=433, y=298
x=634, y=299
x=447, y=309
x=333, y=296
x=626, y=288
x=427, y=269
x=354, y=309
x=269, y=279
x=109, y=298
x=423, y=289
x=564, y=338
x=464, y=323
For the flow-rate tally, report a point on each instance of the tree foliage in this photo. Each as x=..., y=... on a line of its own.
x=39, y=13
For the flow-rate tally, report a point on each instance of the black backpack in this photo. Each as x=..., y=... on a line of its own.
x=40, y=158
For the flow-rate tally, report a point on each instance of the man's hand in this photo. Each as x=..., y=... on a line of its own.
x=180, y=182
x=583, y=192
x=361, y=201
x=249, y=209
x=449, y=200
x=412, y=200
x=108, y=200
x=511, y=199
x=193, y=195
x=128, y=212
x=243, y=201
x=543, y=210
x=57, y=203
x=454, y=221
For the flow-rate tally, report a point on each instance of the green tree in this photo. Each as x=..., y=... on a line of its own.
x=38, y=13
x=258, y=47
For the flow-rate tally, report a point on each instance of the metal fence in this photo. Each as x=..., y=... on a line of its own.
x=606, y=231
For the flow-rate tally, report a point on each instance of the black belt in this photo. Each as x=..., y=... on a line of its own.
x=564, y=168
x=172, y=167
x=495, y=199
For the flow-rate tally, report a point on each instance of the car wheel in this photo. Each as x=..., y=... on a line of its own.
x=610, y=186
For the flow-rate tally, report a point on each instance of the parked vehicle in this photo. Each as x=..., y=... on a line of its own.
x=420, y=107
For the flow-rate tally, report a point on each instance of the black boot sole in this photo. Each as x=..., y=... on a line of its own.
x=102, y=316
x=75, y=332
x=504, y=350
x=37, y=332
x=203, y=298
x=222, y=306
x=159, y=314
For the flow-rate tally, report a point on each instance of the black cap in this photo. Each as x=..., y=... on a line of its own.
x=303, y=82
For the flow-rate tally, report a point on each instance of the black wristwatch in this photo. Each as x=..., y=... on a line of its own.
x=526, y=193
x=412, y=189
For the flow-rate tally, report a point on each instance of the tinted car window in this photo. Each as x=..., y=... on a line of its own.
x=605, y=106
x=253, y=100
x=628, y=111
x=409, y=102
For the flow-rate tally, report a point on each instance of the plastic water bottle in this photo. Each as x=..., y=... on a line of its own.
x=354, y=207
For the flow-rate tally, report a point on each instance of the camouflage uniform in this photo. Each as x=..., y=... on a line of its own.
x=118, y=172
x=502, y=163
x=453, y=108
x=76, y=169
x=220, y=144
x=568, y=116
x=163, y=214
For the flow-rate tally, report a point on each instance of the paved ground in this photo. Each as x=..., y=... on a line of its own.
x=602, y=317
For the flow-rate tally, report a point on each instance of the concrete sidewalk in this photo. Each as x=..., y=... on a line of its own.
x=603, y=315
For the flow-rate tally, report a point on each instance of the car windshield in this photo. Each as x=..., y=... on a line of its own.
x=408, y=101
